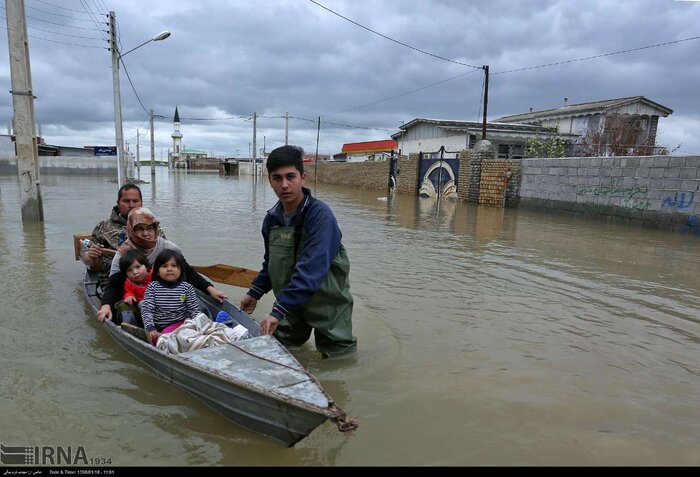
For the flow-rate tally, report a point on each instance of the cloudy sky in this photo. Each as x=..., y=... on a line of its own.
x=227, y=59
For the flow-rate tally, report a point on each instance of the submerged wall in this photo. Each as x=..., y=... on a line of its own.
x=65, y=164
x=657, y=191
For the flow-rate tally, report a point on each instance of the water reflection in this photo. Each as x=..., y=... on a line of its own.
x=481, y=223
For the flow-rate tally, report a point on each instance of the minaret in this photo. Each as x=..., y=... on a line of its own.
x=177, y=138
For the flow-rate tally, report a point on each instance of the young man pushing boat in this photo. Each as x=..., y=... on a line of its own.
x=305, y=264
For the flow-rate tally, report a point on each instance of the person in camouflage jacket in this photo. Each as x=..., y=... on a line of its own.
x=110, y=233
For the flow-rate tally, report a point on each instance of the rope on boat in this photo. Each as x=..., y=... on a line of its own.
x=346, y=424
x=341, y=420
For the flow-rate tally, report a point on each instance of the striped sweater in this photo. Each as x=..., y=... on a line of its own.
x=165, y=304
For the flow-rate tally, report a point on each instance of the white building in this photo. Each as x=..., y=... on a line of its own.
x=596, y=117
x=428, y=135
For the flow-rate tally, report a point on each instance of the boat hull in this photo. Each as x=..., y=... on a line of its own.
x=255, y=383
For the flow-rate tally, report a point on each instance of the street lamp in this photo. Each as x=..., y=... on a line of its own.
x=121, y=160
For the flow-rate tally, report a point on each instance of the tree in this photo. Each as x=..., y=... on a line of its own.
x=620, y=136
x=551, y=146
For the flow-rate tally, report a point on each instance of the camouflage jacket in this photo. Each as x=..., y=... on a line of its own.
x=111, y=233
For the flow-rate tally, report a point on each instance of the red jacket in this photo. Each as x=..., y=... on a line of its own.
x=136, y=289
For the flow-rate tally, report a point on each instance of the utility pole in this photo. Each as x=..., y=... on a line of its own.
x=318, y=135
x=486, y=99
x=23, y=105
x=138, y=153
x=286, y=128
x=255, y=146
x=153, y=150
x=121, y=159
x=127, y=160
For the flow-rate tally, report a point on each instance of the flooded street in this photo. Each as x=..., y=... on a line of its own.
x=486, y=336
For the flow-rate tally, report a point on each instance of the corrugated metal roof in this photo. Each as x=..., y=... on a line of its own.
x=368, y=146
x=581, y=108
x=453, y=125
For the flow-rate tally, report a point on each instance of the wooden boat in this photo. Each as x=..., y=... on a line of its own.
x=255, y=382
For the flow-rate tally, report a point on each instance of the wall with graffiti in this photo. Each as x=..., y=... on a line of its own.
x=660, y=191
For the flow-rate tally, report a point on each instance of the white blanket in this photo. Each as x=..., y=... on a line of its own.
x=199, y=332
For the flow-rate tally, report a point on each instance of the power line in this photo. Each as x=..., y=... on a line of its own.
x=597, y=56
x=57, y=33
x=513, y=71
x=403, y=94
x=64, y=25
x=97, y=9
x=61, y=42
x=391, y=39
x=338, y=124
x=217, y=119
x=58, y=6
x=59, y=14
x=58, y=24
x=104, y=6
x=132, y=86
x=94, y=18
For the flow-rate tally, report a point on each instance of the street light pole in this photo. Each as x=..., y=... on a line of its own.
x=118, y=132
x=153, y=150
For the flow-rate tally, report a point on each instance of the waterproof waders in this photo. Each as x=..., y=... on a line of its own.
x=328, y=312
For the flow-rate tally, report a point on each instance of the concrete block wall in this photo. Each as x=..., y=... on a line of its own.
x=652, y=191
x=65, y=164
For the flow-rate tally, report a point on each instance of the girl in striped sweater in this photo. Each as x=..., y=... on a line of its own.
x=169, y=300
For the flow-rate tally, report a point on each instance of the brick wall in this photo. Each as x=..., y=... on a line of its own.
x=465, y=158
x=407, y=177
x=361, y=175
x=493, y=183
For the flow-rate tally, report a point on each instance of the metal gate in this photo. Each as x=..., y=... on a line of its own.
x=438, y=173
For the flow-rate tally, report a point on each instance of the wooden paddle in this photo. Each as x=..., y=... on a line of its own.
x=228, y=274
x=220, y=273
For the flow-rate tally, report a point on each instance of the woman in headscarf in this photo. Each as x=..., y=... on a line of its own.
x=142, y=234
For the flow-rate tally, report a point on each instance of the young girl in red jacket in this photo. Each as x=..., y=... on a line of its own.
x=134, y=264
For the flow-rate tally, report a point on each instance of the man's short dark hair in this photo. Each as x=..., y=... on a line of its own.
x=128, y=186
x=286, y=156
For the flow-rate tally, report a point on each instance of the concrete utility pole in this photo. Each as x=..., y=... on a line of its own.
x=153, y=150
x=255, y=145
x=318, y=136
x=138, y=152
x=121, y=160
x=128, y=164
x=286, y=128
x=23, y=104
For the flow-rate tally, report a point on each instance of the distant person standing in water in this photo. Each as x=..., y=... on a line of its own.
x=305, y=264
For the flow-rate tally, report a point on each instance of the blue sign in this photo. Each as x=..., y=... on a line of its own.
x=105, y=150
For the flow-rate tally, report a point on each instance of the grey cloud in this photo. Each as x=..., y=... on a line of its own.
x=237, y=57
